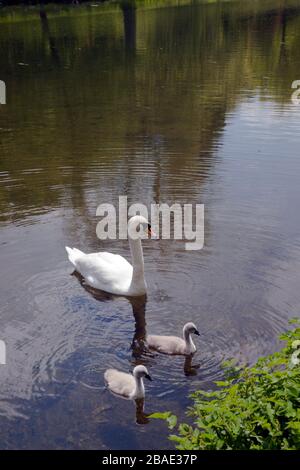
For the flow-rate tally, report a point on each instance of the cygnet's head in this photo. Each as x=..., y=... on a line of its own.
x=190, y=328
x=139, y=227
x=141, y=371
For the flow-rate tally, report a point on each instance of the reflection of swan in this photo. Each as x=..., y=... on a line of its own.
x=113, y=273
x=173, y=344
x=138, y=305
x=127, y=385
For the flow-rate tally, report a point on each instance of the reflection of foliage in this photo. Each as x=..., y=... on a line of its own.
x=254, y=408
x=78, y=91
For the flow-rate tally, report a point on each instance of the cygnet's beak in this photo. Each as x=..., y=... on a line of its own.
x=196, y=332
x=147, y=376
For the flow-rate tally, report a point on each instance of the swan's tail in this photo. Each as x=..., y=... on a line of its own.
x=73, y=254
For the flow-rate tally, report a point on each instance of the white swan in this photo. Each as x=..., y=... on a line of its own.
x=174, y=344
x=127, y=385
x=113, y=273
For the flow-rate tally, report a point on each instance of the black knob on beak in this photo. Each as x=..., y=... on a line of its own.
x=148, y=377
x=196, y=332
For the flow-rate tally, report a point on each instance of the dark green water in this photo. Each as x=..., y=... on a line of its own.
x=188, y=104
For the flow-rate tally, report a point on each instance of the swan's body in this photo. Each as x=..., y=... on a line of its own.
x=173, y=344
x=127, y=385
x=113, y=273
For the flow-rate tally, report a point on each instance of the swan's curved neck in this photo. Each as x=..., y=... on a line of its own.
x=139, y=387
x=137, y=257
x=137, y=254
x=190, y=346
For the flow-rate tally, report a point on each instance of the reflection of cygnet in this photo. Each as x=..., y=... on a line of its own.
x=127, y=385
x=174, y=344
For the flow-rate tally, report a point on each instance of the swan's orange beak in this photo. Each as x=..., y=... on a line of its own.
x=151, y=233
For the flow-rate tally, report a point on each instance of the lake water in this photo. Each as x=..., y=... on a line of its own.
x=188, y=104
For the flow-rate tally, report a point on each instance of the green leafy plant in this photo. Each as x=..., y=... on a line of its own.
x=254, y=407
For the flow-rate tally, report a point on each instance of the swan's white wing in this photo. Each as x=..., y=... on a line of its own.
x=111, y=258
x=166, y=344
x=119, y=382
x=106, y=271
